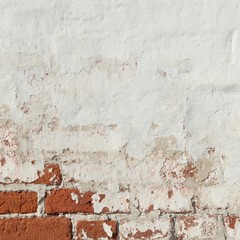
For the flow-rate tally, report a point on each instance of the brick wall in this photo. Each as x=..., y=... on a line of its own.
x=53, y=211
x=119, y=119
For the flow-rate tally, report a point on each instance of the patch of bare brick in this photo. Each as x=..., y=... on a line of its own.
x=68, y=201
x=97, y=230
x=51, y=175
x=18, y=202
x=35, y=228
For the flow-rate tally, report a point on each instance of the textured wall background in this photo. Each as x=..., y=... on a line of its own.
x=119, y=119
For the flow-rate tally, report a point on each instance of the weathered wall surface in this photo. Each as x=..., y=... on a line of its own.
x=119, y=119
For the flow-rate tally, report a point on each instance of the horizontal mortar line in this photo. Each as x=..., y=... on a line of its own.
x=101, y=216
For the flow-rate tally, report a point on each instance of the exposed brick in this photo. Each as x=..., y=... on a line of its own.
x=18, y=202
x=145, y=228
x=97, y=230
x=51, y=175
x=197, y=227
x=232, y=226
x=68, y=201
x=35, y=229
x=73, y=201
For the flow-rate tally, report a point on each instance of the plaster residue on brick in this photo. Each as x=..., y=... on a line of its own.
x=97, y=229
x=145, y=228
x=191, y=227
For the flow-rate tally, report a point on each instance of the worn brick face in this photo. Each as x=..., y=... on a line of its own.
x=36, y=228
x=68, y=201
x=150, y=197
x=196, y=226
x=51, y=175
x=97, y=230
x=145, y=228
x=74, y=201
x=18, y=202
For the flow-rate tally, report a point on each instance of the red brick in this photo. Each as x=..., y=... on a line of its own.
x=18, y=202
x=68, y=201
x=51, y=175
x=97, y=230
x=74, y=201
x=35, y=229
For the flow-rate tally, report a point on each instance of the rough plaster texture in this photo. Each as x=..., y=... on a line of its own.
x=135, y=100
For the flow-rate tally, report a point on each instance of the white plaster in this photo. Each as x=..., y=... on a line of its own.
x=86, y=80
x=84, y=235
x=107, y=229
x=75, y=198
x=96, y=205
